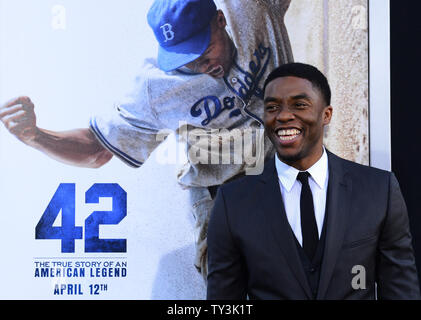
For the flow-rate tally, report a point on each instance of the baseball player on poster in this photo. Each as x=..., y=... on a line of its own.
x=208, y=75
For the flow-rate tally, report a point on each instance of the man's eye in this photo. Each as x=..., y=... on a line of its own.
x=300, y=104
x=271, y=107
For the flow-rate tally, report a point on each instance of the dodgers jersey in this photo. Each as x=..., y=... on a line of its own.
x=181, y=100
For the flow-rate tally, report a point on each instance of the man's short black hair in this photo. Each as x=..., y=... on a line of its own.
x=304, y=71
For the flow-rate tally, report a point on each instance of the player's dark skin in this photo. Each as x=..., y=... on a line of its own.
x=217, y=60
x=80, y=147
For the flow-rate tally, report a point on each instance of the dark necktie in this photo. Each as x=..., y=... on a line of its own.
x=308, y=219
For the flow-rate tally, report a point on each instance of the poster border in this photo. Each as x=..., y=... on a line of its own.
x=379, y=84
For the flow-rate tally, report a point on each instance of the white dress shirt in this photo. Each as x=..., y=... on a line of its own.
x=291, y=191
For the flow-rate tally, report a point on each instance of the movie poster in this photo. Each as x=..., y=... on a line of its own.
x=120, y=232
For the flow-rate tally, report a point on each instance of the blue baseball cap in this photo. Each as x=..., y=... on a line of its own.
x=182, y=29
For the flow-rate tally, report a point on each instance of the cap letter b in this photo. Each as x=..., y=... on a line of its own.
x=167, y=31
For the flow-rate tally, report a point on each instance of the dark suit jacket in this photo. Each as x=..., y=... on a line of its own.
x=252, y=250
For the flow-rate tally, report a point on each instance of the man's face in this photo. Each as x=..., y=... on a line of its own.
x=216, y=61
x=295, y=115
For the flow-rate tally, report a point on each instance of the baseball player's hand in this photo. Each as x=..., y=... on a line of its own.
x=19, y=118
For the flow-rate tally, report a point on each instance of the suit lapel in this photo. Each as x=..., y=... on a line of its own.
x=337, y=204
x=277, y=222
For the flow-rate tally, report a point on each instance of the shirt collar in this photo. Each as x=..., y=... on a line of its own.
x=288, y=175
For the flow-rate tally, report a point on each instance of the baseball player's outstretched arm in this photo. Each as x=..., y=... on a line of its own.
x=77, y=147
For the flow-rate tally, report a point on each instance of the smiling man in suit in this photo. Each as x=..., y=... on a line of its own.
x=312, y=225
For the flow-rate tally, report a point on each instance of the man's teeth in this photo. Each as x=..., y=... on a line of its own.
x=288, y=134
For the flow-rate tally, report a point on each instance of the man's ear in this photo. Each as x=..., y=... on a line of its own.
x=327, y=115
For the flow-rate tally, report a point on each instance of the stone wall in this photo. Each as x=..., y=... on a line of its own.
x=333, y=36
